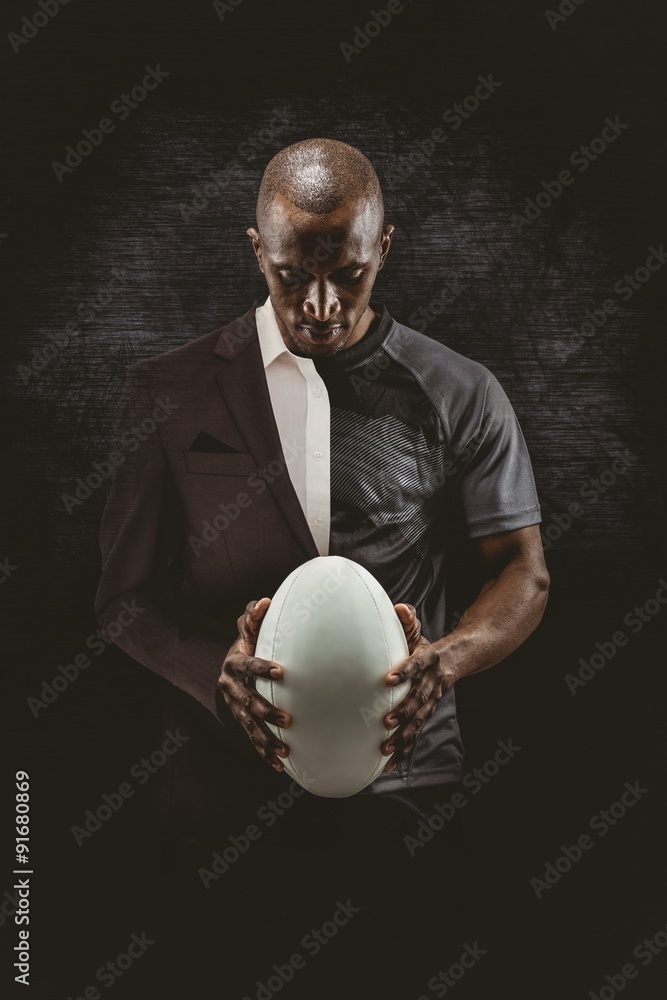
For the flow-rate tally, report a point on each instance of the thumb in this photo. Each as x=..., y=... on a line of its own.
x=406, y=612
x=252, y=619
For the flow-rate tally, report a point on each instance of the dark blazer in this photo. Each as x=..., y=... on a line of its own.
x=201, y=518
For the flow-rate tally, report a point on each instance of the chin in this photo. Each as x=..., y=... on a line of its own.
x=308, y=346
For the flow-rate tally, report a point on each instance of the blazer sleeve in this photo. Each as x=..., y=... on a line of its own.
x=139, y=541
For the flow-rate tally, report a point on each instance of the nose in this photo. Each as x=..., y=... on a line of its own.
x=321, y=303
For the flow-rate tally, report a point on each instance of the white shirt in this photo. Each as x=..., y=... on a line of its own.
x=301, y=409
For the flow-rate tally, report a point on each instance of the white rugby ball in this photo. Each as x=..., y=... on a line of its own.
x=334, y=629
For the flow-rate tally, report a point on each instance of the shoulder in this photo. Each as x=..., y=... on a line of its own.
x=467, y=396
x=194, y=364
x=453, y=381
x=177, y=360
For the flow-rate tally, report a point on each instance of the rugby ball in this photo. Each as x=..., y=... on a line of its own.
x=334, y=629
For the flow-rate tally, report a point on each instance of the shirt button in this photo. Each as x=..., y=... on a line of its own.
x=317, y=391
x=317, y=521
x=317, y=455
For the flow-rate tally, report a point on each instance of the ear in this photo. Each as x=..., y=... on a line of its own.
x=256, y=241
x=385, y=244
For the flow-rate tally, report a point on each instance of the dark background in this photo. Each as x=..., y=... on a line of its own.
x=581, y=402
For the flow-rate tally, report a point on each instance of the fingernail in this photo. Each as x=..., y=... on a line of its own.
x=391, y=722
x=393, y=679
x=282, y=751
x=277, y=766
x=391, y=747
x=275, y=672
x=282, y=720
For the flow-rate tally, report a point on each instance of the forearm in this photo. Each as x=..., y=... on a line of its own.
x=504, y=614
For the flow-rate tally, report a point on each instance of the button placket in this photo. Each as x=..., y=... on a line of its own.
x=317, y=467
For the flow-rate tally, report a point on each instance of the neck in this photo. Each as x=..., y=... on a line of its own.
x=368, y=319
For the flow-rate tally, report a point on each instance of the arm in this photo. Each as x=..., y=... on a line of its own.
x=140, y=536
x=509, y=607
x=500, y=508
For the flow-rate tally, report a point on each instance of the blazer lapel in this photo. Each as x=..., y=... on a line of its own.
x=242, y=382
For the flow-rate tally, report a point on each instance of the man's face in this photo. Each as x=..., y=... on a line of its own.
x=320, y=270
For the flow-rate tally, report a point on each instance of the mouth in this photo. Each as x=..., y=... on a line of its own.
x=320, y=336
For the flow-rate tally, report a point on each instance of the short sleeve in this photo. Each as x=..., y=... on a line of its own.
x=496, y=485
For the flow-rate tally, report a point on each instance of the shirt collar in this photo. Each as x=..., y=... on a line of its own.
x=364, y=349
x=270, y=338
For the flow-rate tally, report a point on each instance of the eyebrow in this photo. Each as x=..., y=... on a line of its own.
x=356, y=266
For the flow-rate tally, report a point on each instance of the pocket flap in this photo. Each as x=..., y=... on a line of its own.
x=217, y=463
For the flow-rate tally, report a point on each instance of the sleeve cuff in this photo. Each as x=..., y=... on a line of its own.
x=508, y=521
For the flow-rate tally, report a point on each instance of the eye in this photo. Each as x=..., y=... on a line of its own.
x=350, y=277
x=293, y=276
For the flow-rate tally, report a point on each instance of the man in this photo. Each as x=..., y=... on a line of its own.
x=316, y=424
x=304, y=218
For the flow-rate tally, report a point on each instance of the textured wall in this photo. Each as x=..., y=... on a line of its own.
x=136, y=247
x=136, y=205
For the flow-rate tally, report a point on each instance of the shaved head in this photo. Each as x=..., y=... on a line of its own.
x=318, y=176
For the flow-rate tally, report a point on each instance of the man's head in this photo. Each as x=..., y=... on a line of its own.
x=320, y=241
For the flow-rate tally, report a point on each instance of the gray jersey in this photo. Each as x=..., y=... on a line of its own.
x=420, y=434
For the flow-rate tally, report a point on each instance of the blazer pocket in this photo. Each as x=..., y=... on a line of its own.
x=219, y=463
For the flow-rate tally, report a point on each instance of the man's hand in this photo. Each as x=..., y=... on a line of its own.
x=236, y=684
x=429, y=682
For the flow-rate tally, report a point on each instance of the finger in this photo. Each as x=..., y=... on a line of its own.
x=414, y=665
x=391, y=766
x=253, y=702
x=257, y=667
x=267, y=745
x=407, y=614
x=402, y=741
x=397, y=758
x=250, y=621
x=400, y=754
x=242, y=665
x=416, y=698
